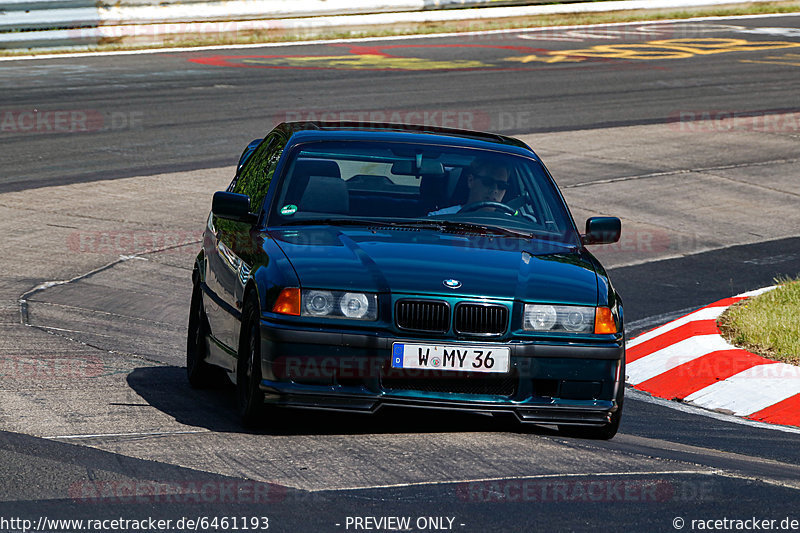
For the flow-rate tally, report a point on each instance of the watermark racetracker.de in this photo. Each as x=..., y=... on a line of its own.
x=67, y=121
x=749, y=523
x=720, y=121
x=713, y=367
x=467, y=119
x=464, y=119
x=39, y=368
x=131, y=242
x=610, y=489
x=200, y=492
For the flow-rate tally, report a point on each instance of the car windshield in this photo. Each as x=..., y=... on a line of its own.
x=392, y=183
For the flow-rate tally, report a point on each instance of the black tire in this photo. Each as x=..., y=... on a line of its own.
x=201, y=374
x=249, y=396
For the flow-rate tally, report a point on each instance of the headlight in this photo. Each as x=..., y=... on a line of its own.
x=354, y=305
x=317, y=303
x=569, y=318
x=540, y=317
x=339, y=304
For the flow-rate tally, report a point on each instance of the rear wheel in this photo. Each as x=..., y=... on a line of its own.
x=201, y=374
x=250, y=397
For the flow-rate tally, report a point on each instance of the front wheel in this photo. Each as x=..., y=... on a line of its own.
x=250, y=397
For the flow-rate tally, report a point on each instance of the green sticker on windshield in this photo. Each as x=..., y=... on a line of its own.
x=290, y=209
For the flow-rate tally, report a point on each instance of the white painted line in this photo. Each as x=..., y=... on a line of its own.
x=673, y=356
x=550, y=38
x=383, y=39
x=62, y=330
x=750, y=391
x=709, y=472
x=708, y=313
x=146, y=434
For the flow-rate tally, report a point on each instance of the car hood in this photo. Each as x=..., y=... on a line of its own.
x=418, y=261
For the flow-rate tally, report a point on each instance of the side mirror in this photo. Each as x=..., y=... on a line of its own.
x=602, y=230
x=233, y=206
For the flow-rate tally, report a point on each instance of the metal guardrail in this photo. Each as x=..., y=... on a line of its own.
x=23, y=5
x=36, y=19
x=265, y=9
x=28, y=24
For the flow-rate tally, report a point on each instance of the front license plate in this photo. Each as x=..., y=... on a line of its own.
x=459, y=358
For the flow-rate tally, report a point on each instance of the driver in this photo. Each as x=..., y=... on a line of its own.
x=487, y=182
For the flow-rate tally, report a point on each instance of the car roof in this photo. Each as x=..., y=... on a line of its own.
x=380, y=131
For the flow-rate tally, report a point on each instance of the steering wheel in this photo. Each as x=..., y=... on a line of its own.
x=474, y=206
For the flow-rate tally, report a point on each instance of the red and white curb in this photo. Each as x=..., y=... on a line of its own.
x=687, y=359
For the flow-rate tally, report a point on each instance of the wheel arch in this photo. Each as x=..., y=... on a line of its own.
x=199, y=269
x=250, y=293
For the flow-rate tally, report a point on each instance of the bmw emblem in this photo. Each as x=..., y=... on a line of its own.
x=452, y=283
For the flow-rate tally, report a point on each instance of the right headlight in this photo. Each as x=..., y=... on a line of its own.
x=568, y=318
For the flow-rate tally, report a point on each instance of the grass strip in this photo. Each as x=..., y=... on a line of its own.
x=767, y=324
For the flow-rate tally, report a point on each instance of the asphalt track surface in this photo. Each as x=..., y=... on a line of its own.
x=165, y=112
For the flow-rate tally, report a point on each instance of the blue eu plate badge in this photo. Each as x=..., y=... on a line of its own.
x=397, y=356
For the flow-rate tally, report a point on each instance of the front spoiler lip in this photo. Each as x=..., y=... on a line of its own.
x=561, y=412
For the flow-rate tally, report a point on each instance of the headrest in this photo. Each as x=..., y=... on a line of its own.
x=316, y=167
x=325, y=194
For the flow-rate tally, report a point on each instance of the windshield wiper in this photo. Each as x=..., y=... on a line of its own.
x=484, y=229
x=339, y=222
x=441, y=225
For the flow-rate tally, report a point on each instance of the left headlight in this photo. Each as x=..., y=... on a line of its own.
x=339, y=304
x=567, y=318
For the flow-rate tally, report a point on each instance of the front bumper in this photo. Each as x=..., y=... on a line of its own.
x=549, y=382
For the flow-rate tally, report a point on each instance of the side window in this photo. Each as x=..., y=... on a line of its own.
x=256, y=175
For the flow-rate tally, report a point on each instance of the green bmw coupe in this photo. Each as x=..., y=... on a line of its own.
x=351, y=266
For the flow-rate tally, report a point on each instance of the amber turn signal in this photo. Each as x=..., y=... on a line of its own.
x=604, y=321
x=288, y=302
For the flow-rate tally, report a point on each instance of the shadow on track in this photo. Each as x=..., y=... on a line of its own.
x=167, y=389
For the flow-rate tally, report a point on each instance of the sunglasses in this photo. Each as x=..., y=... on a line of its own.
x=489, y=181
